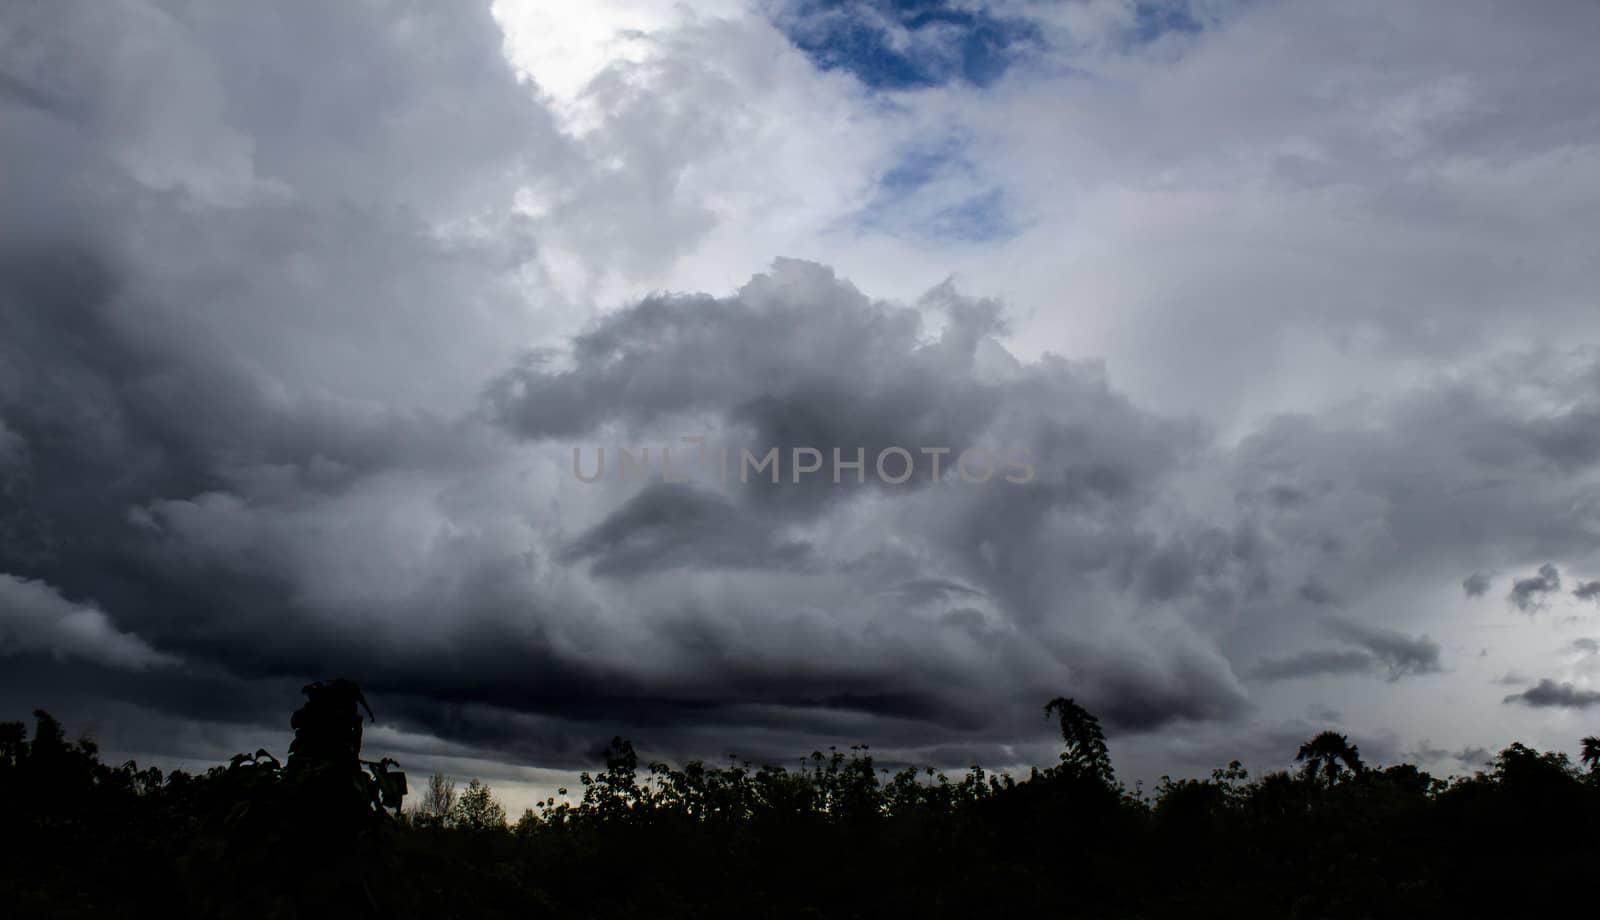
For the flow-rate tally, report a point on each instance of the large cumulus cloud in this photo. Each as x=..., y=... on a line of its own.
x=285, y=392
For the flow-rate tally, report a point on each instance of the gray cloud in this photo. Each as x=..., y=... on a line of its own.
x=1400, y=654
x=800, y=358
x=1315, y=592
x=930, y=590
x=669, y=524
x=1550, y=694
x=1475, y=585
x=1528, y=593
x=1469, y=756
x=1587, y=591
x=1320, y=713
x=34, y=617
x=1313, y=663
x=1385, y=651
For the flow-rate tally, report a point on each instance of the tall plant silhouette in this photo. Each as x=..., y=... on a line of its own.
x=1328, y=757
x=1085, y=753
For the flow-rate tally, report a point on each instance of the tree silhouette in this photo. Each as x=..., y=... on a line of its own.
x=438, y=805
x=1590, y=754
x=255, y=838
x=1085, y=752
x=477, y=810
x=1327, y=757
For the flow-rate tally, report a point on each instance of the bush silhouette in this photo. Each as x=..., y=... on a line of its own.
x=838, y=836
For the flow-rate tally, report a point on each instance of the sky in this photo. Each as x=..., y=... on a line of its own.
x=305, y=309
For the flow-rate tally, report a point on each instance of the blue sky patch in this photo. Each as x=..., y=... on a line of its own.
x=936, y=192
x=1155, y=18
x=978, y=218
x=906, y=44
x=915, y=170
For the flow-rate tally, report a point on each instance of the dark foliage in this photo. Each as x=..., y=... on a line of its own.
x=837, y=837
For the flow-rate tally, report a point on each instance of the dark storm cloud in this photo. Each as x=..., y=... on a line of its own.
x=1393, y=654
x=1475, y=585
x=261, y=422
x=204, y=295
x=248, y=520
x=1571, y=440
x=79, y=688
x=1399, y=654
x=800, y=358
x=1315, y=592
x=1550, y=694
x=215, y=547
x=670, y=524
x=1587, y=591
x=1312, y=663
x=1528, y=593
x=1060, y=585
x=929, y=590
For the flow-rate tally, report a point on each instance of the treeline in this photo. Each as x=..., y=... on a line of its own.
x=837, y=838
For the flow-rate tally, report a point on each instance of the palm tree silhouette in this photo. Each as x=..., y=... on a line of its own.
x=1327, y=756
x=1590, y=755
